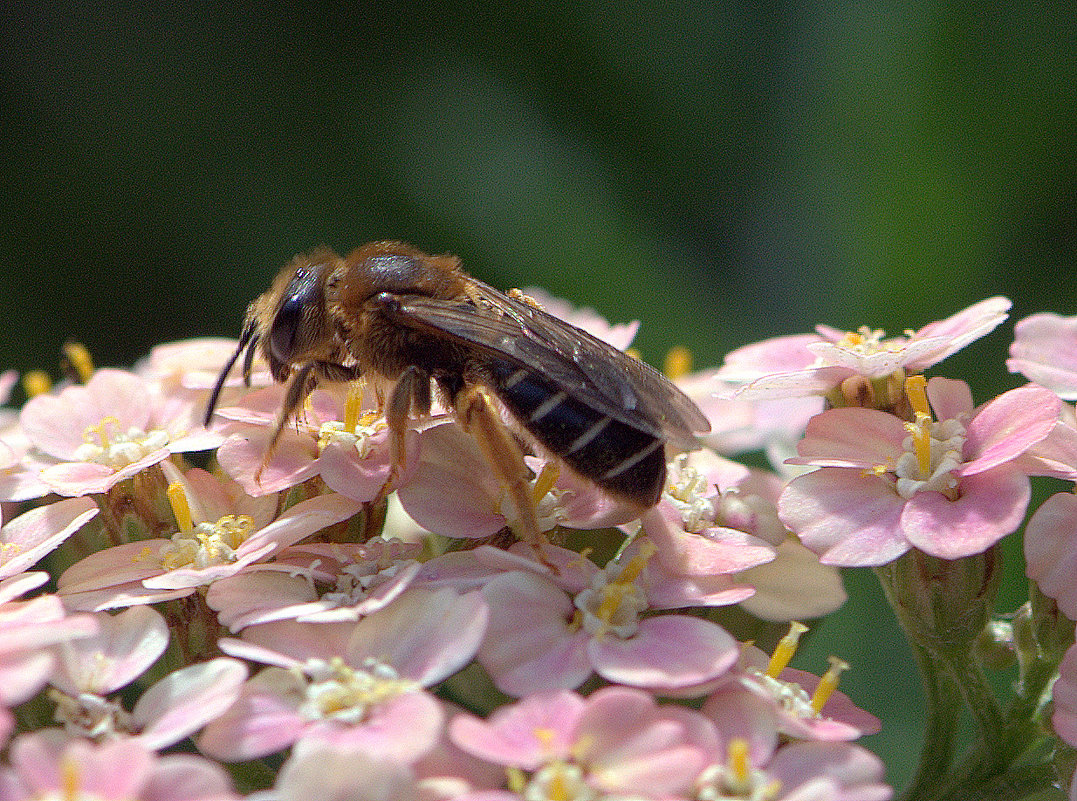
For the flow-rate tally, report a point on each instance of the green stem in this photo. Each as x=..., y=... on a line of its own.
x=937, y=749
x=982, y=703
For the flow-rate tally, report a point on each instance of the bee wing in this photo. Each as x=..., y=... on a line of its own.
x=582, y=365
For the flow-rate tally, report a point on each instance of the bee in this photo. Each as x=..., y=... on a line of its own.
x=419, y=325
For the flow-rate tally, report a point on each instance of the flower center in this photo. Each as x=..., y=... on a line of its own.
x=545, y=496
x=866, y=341
x=207, y=544
x=736, y=779
x=338, y=692
x=558, y=781
x=105, y=444
x=357, y=428
x=91, y=716
x=689, y=493
x=932, y=449
x=615, y=599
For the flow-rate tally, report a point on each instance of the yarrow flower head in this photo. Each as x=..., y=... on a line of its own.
x=947, y=486
x=816, y=364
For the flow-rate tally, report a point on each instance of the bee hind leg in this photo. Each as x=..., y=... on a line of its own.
x=480, y=417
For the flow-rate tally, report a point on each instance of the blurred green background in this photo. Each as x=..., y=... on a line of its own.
x=722, y=172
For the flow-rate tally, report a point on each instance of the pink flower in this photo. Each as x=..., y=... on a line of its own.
x=356, y=685
x=619, y=335
x=549, y=632
x=338, y=438
x=222, y=532
x=617, y=742
x=25, y=540
x=319, y=770
x=776, y=700
x=814, y=364
x=113, y=427
x=28, y=630
x=1051, y=550
x=1044, y=350
x=945, y=487
x=53, y=767
x=316, y=583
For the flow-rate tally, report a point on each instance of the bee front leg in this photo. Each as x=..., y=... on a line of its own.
x=299, y=386
x=479, y=416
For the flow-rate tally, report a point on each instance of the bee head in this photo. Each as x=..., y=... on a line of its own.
x=298, y=329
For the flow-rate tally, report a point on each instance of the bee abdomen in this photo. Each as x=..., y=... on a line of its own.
x=619, y=458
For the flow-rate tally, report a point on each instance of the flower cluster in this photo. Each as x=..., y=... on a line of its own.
x=376, y=627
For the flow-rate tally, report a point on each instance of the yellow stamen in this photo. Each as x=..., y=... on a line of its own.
x=79, y=358
x=611, y=601
x=177, y=499
x=678, y=362
x=100, y=431
x=738, y=763
x=916, y=391
x=517, y=780
x=70, y=784
x=828, y=683
x=921, y=442
x=635, y=566
x=547, y=477
x=353, y=406
x=633, y=352
x=36, y=382
x=557, y=789
x=545, y=736
x=787, y=646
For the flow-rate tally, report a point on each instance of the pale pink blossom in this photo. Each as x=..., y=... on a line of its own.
x=28, y=630
x=124, y=647
x=947, y=488
x=204, y=551
x=316, y=583
x=337, y=436
x=615, y=743
x=37, y=532
x=553, y=631
x=54, y=767
x=322, y=771
x=194, y=365
x=1051, y=550
x=786, y=704
x=1044, y=350
x=814, y=364
x=109, y=429
x=357, y=685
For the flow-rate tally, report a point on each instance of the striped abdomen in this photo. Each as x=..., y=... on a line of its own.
x=619, y=458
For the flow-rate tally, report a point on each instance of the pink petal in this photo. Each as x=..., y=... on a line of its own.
x=1045, y=351
x=1008, y=426
x=958, y=330
x=185, y=700
x=991, y=505
x=427, y=635
x=31, y=535
x=667, y=652
x=529, y=645
x=851, y=437
x=401, y=729
x=123, y=649
x=849, y=519
x=949, y=399
x=260, y=722
x=511, y=735
x=1051, y=550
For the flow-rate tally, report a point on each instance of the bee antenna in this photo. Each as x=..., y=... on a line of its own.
x=248, y=358
x=246, y=342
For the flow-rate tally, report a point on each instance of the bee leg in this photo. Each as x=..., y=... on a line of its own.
x=409, y=396
x=480, y=417
x=299, y=386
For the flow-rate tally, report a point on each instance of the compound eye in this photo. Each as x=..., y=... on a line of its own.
x=285, y=326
